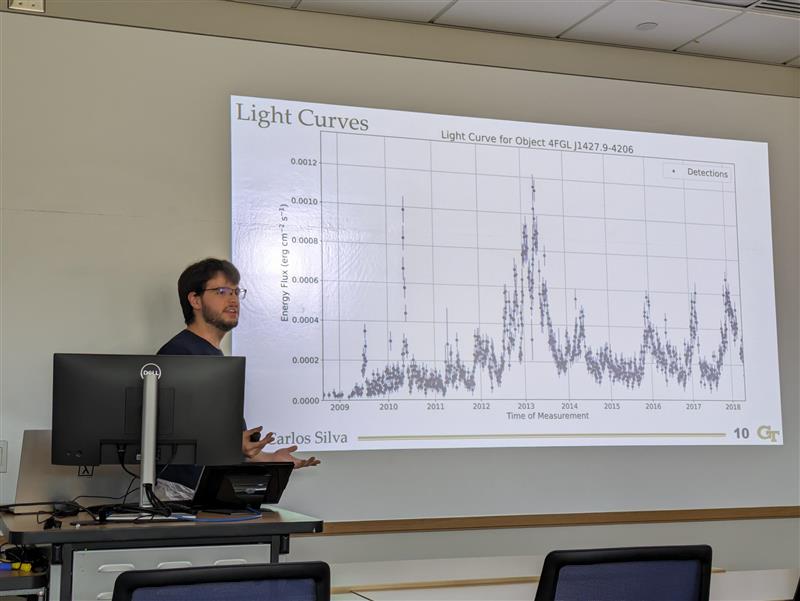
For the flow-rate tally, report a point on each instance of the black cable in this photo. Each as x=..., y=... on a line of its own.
x=72, y=502
x=129, y=491
x=47, y=514
x=120, y=497
x=100, y=511
x=36, y=556
x=158, y=504
x=158, y=507
x=7, y=508
x=95, y=510
x=121, y=456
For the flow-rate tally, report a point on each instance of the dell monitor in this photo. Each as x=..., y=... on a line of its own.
x=195, y=409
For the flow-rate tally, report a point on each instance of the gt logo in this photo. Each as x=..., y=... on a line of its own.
x=767, y=433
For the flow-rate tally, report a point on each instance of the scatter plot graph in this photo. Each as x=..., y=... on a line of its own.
x=509, y=260
x=433, y=281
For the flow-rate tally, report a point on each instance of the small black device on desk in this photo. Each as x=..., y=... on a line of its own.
x=241, y=486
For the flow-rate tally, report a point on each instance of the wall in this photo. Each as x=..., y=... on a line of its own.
x=115, y=175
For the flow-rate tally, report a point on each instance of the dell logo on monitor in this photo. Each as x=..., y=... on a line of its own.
x=150, y=369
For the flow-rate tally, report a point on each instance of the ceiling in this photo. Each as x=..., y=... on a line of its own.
x=764, y=31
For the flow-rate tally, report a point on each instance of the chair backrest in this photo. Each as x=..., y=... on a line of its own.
x=681, y=573
x=302, y=581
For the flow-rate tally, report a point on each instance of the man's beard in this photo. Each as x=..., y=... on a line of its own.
x=218, y=322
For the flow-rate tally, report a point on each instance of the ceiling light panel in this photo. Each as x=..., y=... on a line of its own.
x=544, y=18
x=753, y=36
x=401, y=10
x=784, y=7
x=677, y=23
x=737, y=3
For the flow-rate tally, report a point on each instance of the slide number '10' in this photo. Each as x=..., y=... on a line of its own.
x=741, y=433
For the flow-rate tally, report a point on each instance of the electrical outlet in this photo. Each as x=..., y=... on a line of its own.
x=30, y=6
x=3, y=456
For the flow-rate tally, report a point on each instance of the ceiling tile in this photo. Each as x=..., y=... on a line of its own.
x=278, y=3
x=402, y=10
x=677, y=23
x=753, y=36
x=544, y=18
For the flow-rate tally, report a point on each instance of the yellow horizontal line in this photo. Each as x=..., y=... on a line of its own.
x=453, y=583
x=556, y=435
x=408, y=586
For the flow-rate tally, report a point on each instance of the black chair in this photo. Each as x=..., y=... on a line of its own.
x=305, y=581
x=629, y=574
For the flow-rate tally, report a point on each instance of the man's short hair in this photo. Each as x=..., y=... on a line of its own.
x=195, y=277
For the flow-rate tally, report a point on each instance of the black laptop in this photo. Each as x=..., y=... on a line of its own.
x=241, y=486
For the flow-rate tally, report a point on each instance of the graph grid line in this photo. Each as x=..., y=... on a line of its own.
x=524, y=310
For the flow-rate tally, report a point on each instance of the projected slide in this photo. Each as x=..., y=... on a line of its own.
x=421, y=281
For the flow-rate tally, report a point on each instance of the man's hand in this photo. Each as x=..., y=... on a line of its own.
x=285, y=454
x=251, y=449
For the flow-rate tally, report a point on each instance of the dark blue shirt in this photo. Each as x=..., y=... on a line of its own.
x=186, y=343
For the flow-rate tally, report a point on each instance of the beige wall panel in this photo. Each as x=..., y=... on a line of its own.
x=739, y=545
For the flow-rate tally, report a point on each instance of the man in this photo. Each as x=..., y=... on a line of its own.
x=209, y=294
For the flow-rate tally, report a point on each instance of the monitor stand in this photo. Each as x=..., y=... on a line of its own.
x=147, y=458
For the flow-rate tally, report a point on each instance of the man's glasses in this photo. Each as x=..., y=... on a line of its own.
x=226, y=291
